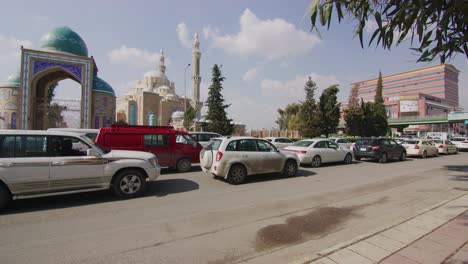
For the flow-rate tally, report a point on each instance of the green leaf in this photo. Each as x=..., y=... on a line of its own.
x=378, y=19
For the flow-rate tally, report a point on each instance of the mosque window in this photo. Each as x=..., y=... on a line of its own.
x=96, y=122
x=13, y=120
x=14, y=92
x=98, y=98
x=104, y=101
x=5, y=120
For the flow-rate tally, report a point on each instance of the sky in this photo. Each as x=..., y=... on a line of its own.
x=265, y=47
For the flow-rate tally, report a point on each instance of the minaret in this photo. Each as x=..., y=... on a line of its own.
x=196, y=78
x=162, y=65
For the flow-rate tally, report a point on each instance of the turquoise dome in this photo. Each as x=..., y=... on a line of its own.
x=63, y=39
x=13, y=80
x=101, y=86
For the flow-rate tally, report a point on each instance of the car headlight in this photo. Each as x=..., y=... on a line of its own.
x=153, y=161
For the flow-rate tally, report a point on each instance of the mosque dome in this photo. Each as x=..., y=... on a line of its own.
x=63, y=39
x=170, y=97
x=13, y=80
x=156, y=74
x=100, y=86
x=177, y=116
x=148, y=90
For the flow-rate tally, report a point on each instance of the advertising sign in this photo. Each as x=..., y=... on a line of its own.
x=409, y=106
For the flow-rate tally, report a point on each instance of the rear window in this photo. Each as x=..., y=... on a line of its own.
x=366, y=141
x=438, y=141
x=411, y=142
x=214, y=144
x=458, y=139
x=303, y=143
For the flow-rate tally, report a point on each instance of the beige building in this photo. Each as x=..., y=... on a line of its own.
x=154, y=101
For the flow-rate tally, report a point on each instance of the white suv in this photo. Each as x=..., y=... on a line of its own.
x=44, y=163
x=234, y=158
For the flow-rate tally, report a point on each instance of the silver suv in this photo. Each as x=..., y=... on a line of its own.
x=44, y=163
x=234, y=158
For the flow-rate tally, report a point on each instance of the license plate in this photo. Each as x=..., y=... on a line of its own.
x=363, y=149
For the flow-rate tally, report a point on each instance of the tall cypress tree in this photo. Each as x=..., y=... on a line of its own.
x=217, y=117
x=309, y=112
x=353, y=115
x=329, y=110
x=378, y=110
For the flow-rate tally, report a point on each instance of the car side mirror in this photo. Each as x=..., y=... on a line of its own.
x=92, y=152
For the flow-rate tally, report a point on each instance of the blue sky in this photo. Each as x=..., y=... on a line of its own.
x=266, y=48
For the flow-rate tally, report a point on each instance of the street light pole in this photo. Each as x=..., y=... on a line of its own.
x=185, y=88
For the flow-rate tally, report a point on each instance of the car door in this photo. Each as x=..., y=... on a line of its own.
x=325, y=153
x=24, y=163
x=451, y=148
x=336, y=154
x=272, y=159
x=159, y=145
x=71, y=168
x=395, y=148
x=250, y=156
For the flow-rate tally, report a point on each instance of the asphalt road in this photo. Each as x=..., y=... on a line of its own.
x=194, y=218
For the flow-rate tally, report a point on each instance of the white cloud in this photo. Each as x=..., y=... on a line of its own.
x=183, y=34
x=270, y=39
x=250, y=75
x=135, y=57
x=10, y=54
x=293, y=90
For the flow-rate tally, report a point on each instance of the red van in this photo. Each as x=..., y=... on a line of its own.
x=174, y=148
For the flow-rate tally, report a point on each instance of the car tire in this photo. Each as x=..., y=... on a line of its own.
x=183, y=165
x=436, y=154
x=348, y=159
x=383, y=158
x=129, y=184
x=316, y=162
x=237, y=174
x=358, y=158
x=290, y=168
x=402, y=156
x=424, y=155
x=5, y=196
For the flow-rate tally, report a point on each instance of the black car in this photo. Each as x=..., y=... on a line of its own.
x=380, y=149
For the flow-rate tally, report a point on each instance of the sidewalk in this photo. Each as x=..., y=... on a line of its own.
x=436, y=235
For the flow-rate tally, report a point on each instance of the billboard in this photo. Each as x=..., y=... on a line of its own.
x=409, y=106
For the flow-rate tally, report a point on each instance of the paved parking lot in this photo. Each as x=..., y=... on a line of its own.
x=193, y=218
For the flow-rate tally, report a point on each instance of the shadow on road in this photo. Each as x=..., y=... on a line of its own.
x=276, y=176
x=458, y=168
x=159, y=188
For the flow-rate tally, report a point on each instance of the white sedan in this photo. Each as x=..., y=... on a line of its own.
x=318, y=151
x=420, y=147
x=445, y=146
x=280, y=142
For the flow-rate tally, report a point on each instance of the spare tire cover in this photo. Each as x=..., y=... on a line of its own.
x=206, y=158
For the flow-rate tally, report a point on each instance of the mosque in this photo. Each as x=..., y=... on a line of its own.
x=153, y=100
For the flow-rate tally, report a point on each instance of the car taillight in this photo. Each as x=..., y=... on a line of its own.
x=376, y=148
x=296, y=151
x=441, y=146
x=219, y=155
x=416, y=146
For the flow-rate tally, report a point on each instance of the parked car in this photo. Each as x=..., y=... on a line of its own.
x=90, y=133
x=461, y=143
x=204, y=137
x=174, y=148
x=235, y=158
x=380, y=149
x=399, y=140
x=345, y=144
x=445, y=146
x=420, y=148
x=45, y=163
x=279, y=142
x=318, y=151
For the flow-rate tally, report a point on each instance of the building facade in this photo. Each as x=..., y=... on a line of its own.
x=24, y=96
x=154, y=101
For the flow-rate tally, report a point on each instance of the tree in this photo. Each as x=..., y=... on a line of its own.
x=285, y=116
x=353, y=100
x=120, y=123
x=189, y=116
x=439, y=28
x=379, y=112
x=217, y=117
x=329, y=110
x=294, y=122
x=353, y=121
x=367, y=120
x=309, y=112
x=378, y=98
x=54, y=111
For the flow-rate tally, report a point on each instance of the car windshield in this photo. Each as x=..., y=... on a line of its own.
x=365, y=141
x=411, y=142
x=438, y=142
x=303, y=143
x=214, y=144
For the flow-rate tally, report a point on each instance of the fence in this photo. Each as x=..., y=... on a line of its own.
x=261, y=133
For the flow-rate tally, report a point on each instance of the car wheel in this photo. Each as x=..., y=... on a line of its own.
x=237, y=174
x=5, y=196
x=436, y=154
x=357, y=158
x=183, y=165
x=403, y=156
x=383, y=158
x=290, y=168
x=316, y=162
x=424, y=155
x=129, y=184
x=348, y=159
